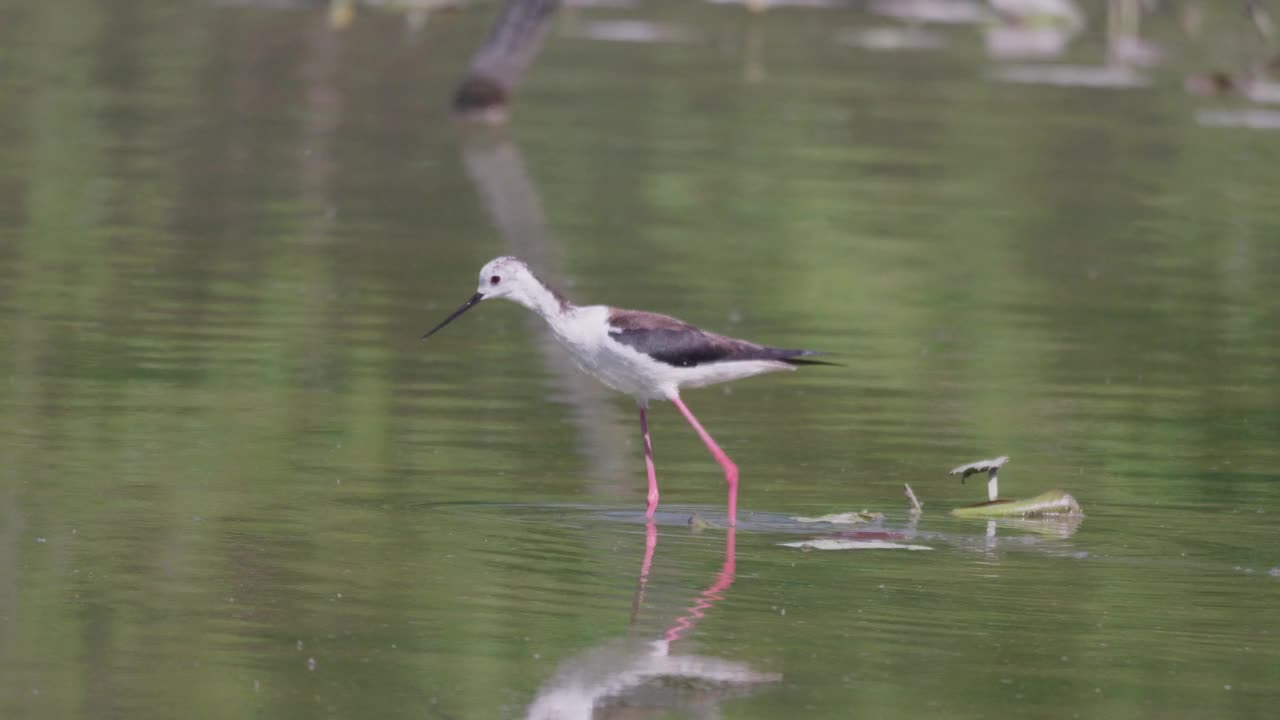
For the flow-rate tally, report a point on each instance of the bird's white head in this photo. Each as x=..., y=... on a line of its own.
x=508, y=277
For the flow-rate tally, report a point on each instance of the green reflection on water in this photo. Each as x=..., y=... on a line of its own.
x=227, y=455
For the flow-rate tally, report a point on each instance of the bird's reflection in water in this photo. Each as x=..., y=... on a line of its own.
x=636, y=678
x=619, y=681
x=497, y=170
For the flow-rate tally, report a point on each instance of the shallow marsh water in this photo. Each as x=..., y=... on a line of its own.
x=235, y=484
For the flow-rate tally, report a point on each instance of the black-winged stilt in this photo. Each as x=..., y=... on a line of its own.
x=645, y=355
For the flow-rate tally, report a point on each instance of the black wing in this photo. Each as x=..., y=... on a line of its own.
x=680, y=344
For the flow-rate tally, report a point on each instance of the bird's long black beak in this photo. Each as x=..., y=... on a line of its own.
x=465, y=307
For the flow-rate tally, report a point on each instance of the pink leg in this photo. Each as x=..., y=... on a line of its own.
x=648, y=466
x=730, y=470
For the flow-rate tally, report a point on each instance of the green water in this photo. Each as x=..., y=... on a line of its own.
x=234, y=484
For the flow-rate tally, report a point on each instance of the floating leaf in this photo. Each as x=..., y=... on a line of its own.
x=1052, y=502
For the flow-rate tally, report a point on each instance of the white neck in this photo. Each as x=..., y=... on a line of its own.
x=540, y=299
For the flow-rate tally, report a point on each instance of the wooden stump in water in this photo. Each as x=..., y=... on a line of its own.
x=498, y=66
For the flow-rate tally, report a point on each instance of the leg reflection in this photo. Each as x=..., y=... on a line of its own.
x=623, y=679
x=650, y=544
x=709, y=597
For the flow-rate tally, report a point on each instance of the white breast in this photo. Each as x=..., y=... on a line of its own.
x=584, y=331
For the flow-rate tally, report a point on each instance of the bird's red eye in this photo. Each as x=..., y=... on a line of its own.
x=495, y=280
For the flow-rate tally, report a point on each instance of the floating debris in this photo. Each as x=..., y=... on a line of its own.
x=610, y=4
x=1033, y=28
x=1260, y=91
x=1214, y=83
x=849, y=544
x=1249, y=118
x=977, y=466
x=1049, y=503
x=762, y=5
x=636, y=31
x=891, y=38
x=987, y=466
x=1093, y=76
x=1017, y=41
x=1220, y=84
x=849, y=518
x=1262, y=20
x=1046, y=504
x=951, y=12
x=917, y=507
x=1134, y=51
x=1039, y=12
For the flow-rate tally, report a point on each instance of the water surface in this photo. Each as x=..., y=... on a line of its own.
x=235, y=484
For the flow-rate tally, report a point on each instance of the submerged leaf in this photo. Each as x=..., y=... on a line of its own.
x=697, y=523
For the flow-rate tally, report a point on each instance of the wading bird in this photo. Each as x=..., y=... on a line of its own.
x=645, y=355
